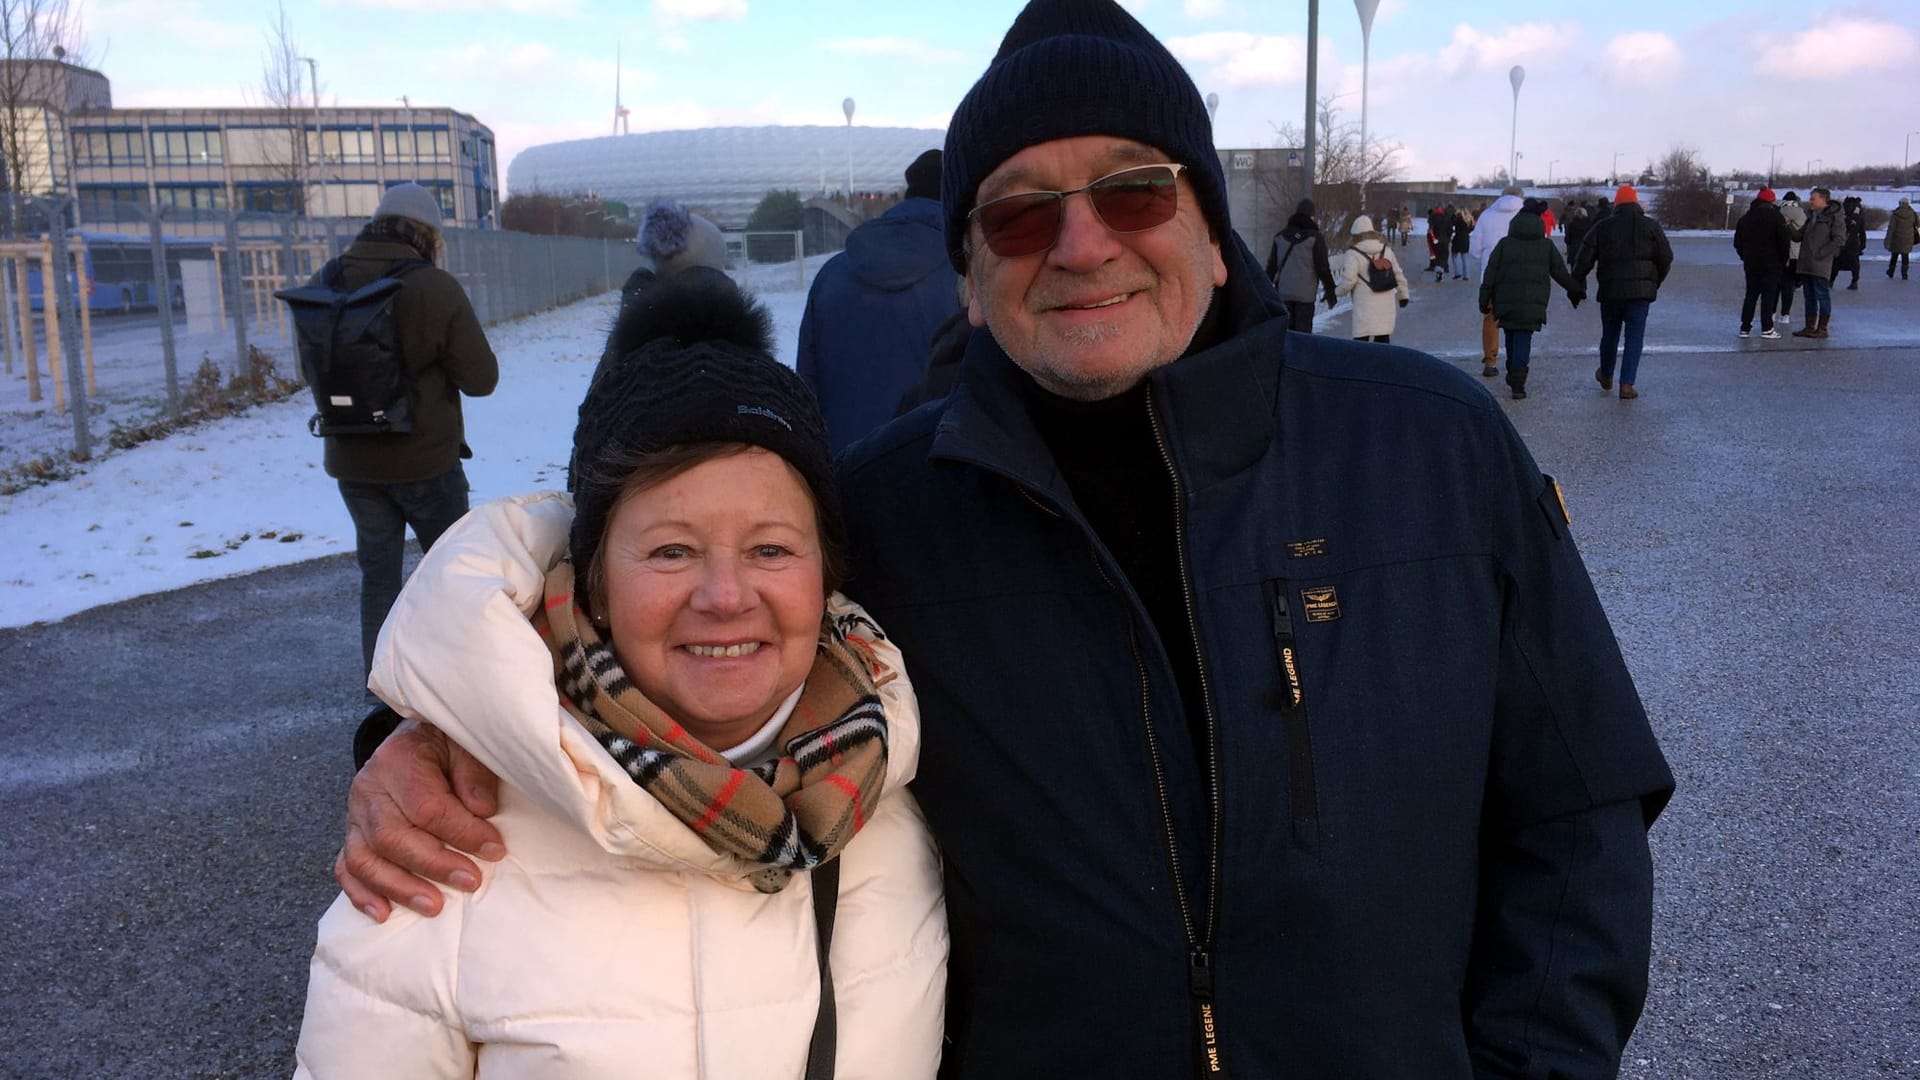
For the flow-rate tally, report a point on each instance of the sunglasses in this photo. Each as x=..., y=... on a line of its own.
x=1129, y=201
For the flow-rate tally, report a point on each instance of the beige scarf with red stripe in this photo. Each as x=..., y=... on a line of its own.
x=790, y=814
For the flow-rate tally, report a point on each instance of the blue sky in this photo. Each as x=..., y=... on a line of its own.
x=1837, y=83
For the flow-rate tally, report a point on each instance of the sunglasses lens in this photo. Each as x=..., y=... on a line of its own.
x=1021, y=224
x=1136, y=200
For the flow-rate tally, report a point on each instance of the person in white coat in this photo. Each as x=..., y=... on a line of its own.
x=715, y=869
x=1495, y=220
x=1375, y=311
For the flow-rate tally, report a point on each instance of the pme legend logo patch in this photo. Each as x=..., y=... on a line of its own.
x=1322, y=604
x=1307, y=549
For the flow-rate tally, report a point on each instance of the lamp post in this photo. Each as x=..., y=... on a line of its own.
x=847, y=107
x=1772, y=152
x=1366, y=10
x=1810, y=164
x=1516, y=76
x=313, y=79
x=407, y=104
x=1515, y=176
x=1550, y=166
x=1907, y=156
x=1313, y=90
x=1613, y=177
x=1213, y=109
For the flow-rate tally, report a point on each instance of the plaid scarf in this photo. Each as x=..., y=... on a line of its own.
x=789, y=814
x=398, y=230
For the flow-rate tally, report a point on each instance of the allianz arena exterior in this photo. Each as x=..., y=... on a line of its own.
x=726, y=170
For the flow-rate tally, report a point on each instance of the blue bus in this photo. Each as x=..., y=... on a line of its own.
x=121, y=270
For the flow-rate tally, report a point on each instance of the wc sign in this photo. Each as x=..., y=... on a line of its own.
x=1242, y=162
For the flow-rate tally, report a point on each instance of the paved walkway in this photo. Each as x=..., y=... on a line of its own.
x=173, y=768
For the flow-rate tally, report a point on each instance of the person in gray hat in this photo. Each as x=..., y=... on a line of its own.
x=1271, y=725
x=393, y=482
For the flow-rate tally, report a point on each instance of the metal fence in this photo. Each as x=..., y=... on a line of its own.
x=109, y=353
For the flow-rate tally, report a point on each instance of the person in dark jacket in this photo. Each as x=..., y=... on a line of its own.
x=1848, y=260
x=1795, y=215
x=391, y=483
x=1575, y=228
x=1297, y=262
x=1271, y=724
x=874, y=308
x=1763, y=243
x=1439, y=240
x=1902, y=227
x=1461, y=242
x=1820, y=244
x=1633, y=257
x=671, y=240
x=1516, y=285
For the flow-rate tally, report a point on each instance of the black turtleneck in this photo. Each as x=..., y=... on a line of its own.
x=1107, y=452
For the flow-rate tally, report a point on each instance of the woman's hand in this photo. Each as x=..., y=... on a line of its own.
x=419, y=796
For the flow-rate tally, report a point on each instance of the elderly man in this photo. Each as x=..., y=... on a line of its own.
x=1271, y=724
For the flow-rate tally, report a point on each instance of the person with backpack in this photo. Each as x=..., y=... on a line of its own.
x=1439, y=236
x=1370, y=272
x=1297, y=262
x=1514, y=288
x=395, y=480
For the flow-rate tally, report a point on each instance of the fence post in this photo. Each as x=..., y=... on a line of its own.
x=553, y=276
x=163, y=303
x=18, y=267
x=60, y=269
x=800, y=259
x=236, y=296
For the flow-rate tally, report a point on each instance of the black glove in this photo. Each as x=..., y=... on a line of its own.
x=1330, y=300
x=1403, y=301
x=1486, y=309
x=1575, y=298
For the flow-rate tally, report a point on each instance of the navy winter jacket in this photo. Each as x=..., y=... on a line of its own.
x=872, y=315
x=1631, y=251
x=1431, y=770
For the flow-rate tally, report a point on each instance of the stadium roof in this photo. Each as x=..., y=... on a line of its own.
x=725, y=170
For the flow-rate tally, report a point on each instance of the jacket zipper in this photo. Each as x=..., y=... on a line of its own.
x=1200, y=947
x=1305, y=797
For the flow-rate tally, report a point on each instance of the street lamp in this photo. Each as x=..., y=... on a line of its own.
x=1771, y=148
x=1514, y=176
x=1811, y=164
x=1907, y=156
x=1516, y=76
x=1213, y=109
x=1550, y=166
x=1313, y=89
x=847, y=107
x=313, y=78
x=1366, y=9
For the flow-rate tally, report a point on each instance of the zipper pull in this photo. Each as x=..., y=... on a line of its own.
x=1200, y=982
x=1292, y=695
x=1200, y=974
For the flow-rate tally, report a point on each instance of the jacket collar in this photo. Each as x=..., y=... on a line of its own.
x=1214, y=405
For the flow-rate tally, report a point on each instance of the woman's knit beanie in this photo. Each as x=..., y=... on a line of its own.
x=677, y=240
x=1078, y=67
x=690, y=360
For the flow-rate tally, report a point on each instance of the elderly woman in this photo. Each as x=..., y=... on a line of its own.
x=715, y=868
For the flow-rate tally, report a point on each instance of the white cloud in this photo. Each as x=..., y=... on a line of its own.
x=1240, y=59
x=1837, y=47
x=1472, y=49
x=559, y=9
x=700, y=10
x=1203, y=9
x=1643, y=58
x=898, y=47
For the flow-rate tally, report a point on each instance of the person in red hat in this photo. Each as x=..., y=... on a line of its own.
x=1633, y=256
x=1764, y=243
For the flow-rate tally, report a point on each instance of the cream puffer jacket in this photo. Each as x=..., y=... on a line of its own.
x=1374, y=313
x=611, y=941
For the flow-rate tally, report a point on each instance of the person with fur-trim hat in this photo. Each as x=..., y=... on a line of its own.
x=1633, y=256
x=1369, y=258
x=1273, y=727
x=673, y=239
x=392, y=482
x=1902, y=226
x=716, y=869
x=1763, y=243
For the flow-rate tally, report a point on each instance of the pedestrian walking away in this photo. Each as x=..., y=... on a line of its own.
x=393, y=480
x=1342, y=774
x=1763, y=243
x=1820, y=244
x=1462, y=242
x=1494, y=222
x=1575, y=228
x=1633, y=258
x=1298, y=266
x=1855, y=220
x=1515, y=285
x=1795, y=215
x=1371, y=274
x=1439, y=239
x=1900, y=237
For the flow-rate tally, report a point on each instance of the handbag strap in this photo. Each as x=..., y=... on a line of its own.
x=826, y=900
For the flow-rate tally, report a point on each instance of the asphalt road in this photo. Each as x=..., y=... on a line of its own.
x=173, y=768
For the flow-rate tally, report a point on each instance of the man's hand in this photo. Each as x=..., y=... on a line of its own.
x=1575, y=298
x=1331, y=301
x=418, y=795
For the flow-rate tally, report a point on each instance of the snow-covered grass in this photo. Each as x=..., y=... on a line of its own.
x=247, y=492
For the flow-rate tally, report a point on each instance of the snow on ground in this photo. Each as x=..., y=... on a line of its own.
x=247, y=492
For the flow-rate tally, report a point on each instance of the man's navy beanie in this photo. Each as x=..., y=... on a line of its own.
x=1078, y=67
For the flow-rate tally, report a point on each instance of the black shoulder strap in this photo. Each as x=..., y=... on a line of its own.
x=330, y=274
x=826, y=899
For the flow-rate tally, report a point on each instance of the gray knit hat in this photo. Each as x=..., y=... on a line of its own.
x=410, y=201
x=1078, y=67
x=677, y=240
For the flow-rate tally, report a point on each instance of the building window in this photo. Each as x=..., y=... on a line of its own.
x=96, y=146
x=103, y=203
x=442, y=193
x=188, y=146
x=269, y=197
x=420, y=144
x=192, y=197
x=342, y=146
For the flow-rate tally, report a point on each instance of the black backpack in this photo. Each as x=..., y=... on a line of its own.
x=350, y=353
x=1380, y=276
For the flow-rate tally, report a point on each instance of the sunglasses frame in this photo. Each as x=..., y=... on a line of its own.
x=1059, y=201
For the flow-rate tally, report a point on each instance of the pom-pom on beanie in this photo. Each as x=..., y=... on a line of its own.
x=676, y=240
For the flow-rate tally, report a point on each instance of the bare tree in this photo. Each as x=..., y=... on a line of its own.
x=1689, y=198
x=1342, y=167
x=35, y=94
x=283, y=153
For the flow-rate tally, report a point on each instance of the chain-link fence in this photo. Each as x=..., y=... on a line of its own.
x=141, y=319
